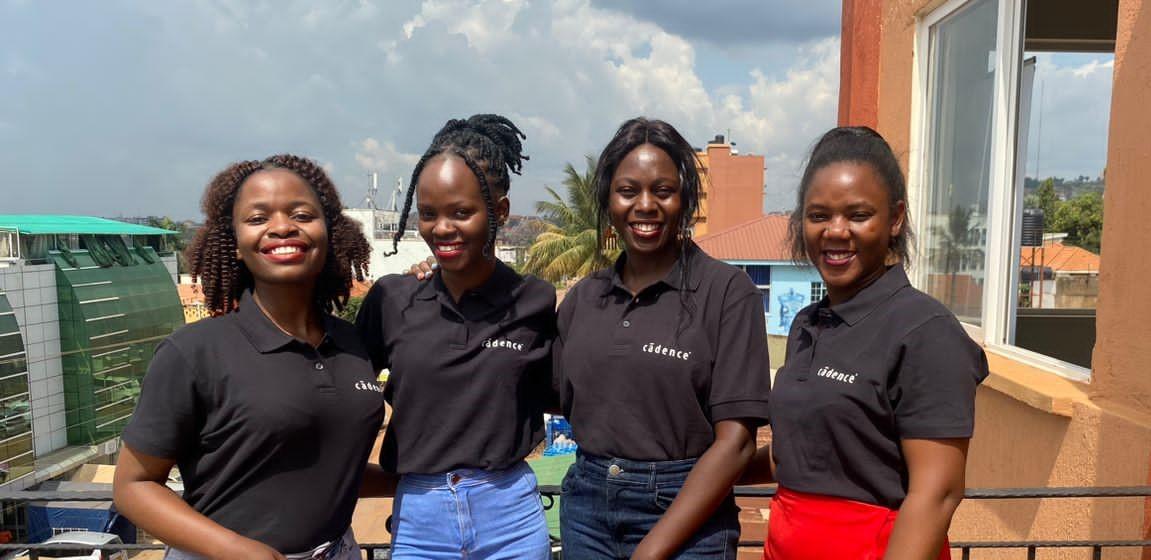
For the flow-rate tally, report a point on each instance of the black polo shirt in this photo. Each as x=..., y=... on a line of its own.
x=646, y=377
x=469, y=381
x=889, y=364
x=270, y=434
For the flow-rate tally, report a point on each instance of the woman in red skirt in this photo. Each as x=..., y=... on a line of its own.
x=873, y=408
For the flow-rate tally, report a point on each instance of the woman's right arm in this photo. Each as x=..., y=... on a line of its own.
x=378, y=483
x=140, y=494
x=761, y=469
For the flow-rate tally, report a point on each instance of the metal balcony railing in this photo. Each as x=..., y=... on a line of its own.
x=380, y=551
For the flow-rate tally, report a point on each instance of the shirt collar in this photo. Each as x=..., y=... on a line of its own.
x=264, y=335
x=674, y=277
x=869, y=298
x=496, y=290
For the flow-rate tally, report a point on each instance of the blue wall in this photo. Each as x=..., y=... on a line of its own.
x=790, y=292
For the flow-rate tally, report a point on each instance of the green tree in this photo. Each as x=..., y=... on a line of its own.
x=176, y=242
x=1044, y=199
x=348, y=313
x=567, y=248
x=1081, y=218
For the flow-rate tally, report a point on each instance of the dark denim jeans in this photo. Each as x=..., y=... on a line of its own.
x=609, y=505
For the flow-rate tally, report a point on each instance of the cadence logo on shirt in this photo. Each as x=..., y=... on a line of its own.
x=653, y=348
x=368, y=386
x=503, y=343
x=836, y=375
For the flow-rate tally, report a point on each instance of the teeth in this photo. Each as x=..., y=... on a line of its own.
x=285, y=250
x=448, y=248
x=839, y=256
x=646, y=228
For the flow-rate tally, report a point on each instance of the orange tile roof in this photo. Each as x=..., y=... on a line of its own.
x=360, y=289
x=761, y=239
x=190, y=293
x=1061, y=258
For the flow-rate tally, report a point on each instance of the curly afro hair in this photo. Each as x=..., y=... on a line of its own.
x=212, y=255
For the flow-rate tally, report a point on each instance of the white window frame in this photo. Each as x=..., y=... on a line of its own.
x=13, y=244
x=1000, y=278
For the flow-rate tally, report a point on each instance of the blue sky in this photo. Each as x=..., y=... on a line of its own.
x=1070, y=112
x=129, y=107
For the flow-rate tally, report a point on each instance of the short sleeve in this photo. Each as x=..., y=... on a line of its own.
x=370, y=324
x=741, y=374
x=167, y=419
x=933, y=392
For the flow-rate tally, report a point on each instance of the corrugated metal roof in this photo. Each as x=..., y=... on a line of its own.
x=1061, y=258
x=761, y=239
x=41, y=224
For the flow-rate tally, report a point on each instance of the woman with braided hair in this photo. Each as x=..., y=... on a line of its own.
x=470, y=360
x=270, y=407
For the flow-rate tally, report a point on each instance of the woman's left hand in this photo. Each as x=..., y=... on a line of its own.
x=424, y=270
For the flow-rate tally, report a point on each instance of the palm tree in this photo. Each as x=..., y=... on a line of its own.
x=958, y=240
x=568, y=247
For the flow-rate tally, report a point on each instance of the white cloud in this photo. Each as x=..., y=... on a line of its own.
x=372, y=155
x=364, y=85
x=483, y=23
x=1071, y=102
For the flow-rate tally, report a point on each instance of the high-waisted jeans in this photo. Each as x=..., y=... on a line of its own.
x=610, y=504
x=470, y=513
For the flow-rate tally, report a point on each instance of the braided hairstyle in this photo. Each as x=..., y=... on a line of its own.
x=491, y=147
x=212, y=255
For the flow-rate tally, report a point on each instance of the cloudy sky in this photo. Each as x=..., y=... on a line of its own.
x=128, y=107
x=1070, y=102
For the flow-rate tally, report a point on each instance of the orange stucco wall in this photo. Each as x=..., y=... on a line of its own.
x=738, y=180
x=859, y=64
x=1122, y=363
x=1104, y=439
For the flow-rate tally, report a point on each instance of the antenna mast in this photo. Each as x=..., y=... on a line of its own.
x=370, y=199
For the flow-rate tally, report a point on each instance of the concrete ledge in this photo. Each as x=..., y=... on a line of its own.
x=1035, y=386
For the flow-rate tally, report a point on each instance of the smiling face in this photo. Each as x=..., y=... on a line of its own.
x=281, y=234
x=645, y=204
x=453, y=216
x=848, y=227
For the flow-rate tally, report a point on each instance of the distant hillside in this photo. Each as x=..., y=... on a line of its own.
x=520, y=231
x=1066, y=189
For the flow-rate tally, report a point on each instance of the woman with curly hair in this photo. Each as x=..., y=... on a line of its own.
x=270, y=407
x=470, y=360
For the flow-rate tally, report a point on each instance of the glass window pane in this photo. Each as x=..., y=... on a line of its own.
x=1065, y=101
x=960, y=103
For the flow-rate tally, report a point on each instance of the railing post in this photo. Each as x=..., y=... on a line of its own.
x=1031, y=553
x=1097, y=552
x=967, y=553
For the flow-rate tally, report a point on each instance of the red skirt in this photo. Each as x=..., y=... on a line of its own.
x=814, y=527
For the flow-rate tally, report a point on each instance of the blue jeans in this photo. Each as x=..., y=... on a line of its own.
x=609, y=505
x=470, y=513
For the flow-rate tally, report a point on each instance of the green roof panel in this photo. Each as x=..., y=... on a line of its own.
x=43, y=224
